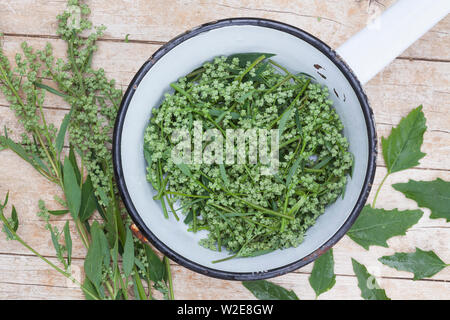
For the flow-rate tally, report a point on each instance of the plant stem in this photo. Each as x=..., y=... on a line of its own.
x=75, y=67
x=55, y=267
x=187, y=195
x=169, y=277
x=139, y=286
x=82, y=233
x=378, y=190
x=242, y=75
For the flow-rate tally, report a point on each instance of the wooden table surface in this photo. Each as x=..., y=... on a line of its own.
x=421, y=75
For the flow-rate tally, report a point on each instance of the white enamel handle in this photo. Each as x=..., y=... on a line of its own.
x=379, y=43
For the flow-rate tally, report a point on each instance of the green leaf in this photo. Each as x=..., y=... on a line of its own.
x=59, y=142
x=56, y=245
x=322, y=163
x=401, y=150
x=293, y=170
x=219, y=113
x=223, y=174
x=88, y=200
x=283, y=121
x=297, y=123
x=250, y=57
x=21, y=152
x=189, y=217
x=375, y=226
x=72, y=189
x=58, y=212
x=185, y=169
x=322, y=276
x=73, y=160
x=258, y=253
x=434, y=195
x=5, y=202
x=147, y=156
x=15, y=219
x=87, y=284
x=105, y=249
x=50, y=89
x=94, y=259
x=370, y=290
x=265, y=290
x=156, y=269
x=68, y=242
x=128, y=254
x=424, y=264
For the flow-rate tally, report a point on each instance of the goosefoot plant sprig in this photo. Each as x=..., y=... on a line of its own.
x=117, y=265
x=401, y=151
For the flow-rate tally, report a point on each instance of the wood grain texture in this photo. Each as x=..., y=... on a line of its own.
x=421, y=75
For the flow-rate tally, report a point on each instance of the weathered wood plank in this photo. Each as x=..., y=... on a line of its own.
x=332, y=21
x=32, y=279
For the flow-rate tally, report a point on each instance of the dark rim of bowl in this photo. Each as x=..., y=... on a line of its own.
x=304, y=36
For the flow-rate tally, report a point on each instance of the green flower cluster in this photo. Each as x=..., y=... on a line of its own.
x=94, y=98
x=246, y=212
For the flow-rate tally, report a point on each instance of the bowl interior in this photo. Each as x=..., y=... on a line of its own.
x=295, y=54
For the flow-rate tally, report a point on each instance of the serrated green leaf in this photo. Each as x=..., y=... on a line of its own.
x=72, y=189
x=375, y=226
x=265, y=290
x=424, y=264
x=128, y=254
x=68, y=242
x=401, y=150
x=434, y=195
x=370, y=290
x=322, y=277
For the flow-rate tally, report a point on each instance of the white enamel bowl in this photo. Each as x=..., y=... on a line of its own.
x=294, y=49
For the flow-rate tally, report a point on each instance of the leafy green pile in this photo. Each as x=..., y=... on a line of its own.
x=116, y=262
x=246, y=91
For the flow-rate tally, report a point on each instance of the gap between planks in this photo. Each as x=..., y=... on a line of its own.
x=161, y=43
